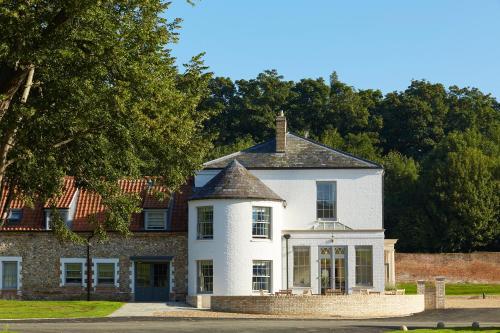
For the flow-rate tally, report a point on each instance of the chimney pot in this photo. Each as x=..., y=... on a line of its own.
x=281, y=132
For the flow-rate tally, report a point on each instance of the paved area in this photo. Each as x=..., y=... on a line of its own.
x=467, y=302
x=452, y=318
x=147, y=309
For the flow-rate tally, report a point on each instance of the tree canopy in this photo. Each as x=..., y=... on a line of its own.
x=90, y=89
x=439, y=147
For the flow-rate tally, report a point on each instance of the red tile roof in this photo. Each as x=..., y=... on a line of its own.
x=89, y=203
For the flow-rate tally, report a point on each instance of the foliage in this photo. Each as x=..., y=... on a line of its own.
x=439, y=147
x=56, y=309
x=107, y=100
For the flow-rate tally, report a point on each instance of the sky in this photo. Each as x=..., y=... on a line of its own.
x=381, y=44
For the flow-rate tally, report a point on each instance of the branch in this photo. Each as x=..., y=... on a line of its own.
x=62, y=143
x=29, y=83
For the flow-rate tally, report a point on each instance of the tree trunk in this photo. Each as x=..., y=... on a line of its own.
x=11, y=79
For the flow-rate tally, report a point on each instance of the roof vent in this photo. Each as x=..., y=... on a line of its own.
x=280, y=133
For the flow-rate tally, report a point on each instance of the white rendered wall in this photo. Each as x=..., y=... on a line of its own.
x=232, y=248
x=348, y=239
x=359, y=194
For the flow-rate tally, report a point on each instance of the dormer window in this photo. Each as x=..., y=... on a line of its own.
x=15, y=216
x=155, y=219
x=64, y=215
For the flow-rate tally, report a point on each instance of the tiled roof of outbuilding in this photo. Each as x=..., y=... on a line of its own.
x=235, y=182
x=299, y=153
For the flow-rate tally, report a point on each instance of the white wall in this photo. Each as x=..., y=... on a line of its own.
x=359, y=194
x=232, y=248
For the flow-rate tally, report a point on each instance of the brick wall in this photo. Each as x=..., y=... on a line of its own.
x=41, y=269
x=360, y=306
x=477, y=267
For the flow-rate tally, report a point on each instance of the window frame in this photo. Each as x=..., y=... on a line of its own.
x=268, y=224
x=200, y=225
x=363, y=267
x=11, y=221
x=300, y=285
x=199, y=277
x=146, y=219
x=116, y=268
x=18, y=261
x=335, y=200
x=83, y=265
x=268, y=276
x=64, y=212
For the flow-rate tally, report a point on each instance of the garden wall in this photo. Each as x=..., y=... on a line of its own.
x=476, y=267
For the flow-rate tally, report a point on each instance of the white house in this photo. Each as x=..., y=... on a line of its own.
x=289, y=213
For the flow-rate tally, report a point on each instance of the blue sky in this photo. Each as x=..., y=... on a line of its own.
x=371, y=44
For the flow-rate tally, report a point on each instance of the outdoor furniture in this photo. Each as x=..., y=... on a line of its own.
x=330, y=292
x=307, y=292
x=284, y=292
x=373, y=292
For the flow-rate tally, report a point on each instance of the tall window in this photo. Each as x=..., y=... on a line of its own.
x=105, y=273
x=205, y=276
x=205, y=222
x=301, y=266
x=9, y=274
x=326, y=200
x=261, y=222
x=261, y=278
x=73, y=273
x=364, y=266
x=155, y=219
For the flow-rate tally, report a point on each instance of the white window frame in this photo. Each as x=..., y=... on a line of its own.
x=146, y=219
x=269, y=223
x=198, y=276
x=62, y=211
x=81, y=261
x=308, y=266
x=19, y=261
x=336, y=197
x=269, y=276
x=200, y=224
x=96, y=261
x=364, y=266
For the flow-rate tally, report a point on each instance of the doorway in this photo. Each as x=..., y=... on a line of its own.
x=332, y=268
x=152, y=281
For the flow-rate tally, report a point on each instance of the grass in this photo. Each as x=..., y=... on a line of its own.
x=56, y=309
x=451, y=330
x=456, y=289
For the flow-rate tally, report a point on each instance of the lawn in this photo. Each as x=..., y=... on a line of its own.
x=458, y=288
x=451, y=330
x=56, y=309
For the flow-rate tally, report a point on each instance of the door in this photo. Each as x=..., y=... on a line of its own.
x=151, y=281
x=325, y=268
x=340, y=268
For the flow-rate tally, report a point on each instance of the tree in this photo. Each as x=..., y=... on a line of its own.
x=106, y=101
x=462, y=182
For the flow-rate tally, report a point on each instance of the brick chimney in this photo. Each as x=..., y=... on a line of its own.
x=280, y=133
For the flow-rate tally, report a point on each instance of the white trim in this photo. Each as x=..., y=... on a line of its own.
x=19, y=261
x=132, y=276
x=82, y=261
x=96, y=261
x=172, y=278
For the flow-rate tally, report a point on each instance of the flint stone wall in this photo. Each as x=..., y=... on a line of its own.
x=41, y=270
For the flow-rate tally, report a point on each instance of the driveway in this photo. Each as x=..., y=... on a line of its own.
x=452, y=318
x=147, y=309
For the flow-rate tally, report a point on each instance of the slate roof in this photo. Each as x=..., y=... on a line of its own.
x=299, y=153
x=235, y=182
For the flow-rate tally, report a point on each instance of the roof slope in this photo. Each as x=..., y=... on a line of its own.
x=235, y=182
x=299, y=153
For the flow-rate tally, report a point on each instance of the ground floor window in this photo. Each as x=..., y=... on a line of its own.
x=106, y=271
x=73, y=271
x=364, y=266
x=205, y=276
x=301, y=266
x=10, y=273
x=261, y=278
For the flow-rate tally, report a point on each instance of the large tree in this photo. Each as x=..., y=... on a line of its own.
x=89, y=89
